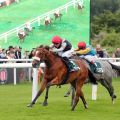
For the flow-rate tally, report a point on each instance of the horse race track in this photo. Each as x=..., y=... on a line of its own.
x=14, y=99
x=74, y=25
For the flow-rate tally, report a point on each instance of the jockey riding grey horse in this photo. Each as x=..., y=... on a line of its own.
x=104, y=78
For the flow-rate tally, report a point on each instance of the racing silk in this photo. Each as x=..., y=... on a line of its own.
x=65, y=49
x=68, y=46
x=65, y=46
x=88, y=51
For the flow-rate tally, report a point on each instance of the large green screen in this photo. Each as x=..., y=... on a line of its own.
x=74, y=25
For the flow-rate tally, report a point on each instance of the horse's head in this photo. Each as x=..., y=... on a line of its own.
x=40, y=55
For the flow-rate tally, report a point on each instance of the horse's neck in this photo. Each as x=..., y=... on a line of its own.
x=50, y=60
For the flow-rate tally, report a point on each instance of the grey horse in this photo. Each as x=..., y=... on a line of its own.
x=109, y=72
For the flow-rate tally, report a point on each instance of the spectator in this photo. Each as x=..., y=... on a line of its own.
x=2, y=53
x=9, y=55
x=11, y=48
x=18, y=53
x=99, y=51
x=116, y=54
x=26, y=54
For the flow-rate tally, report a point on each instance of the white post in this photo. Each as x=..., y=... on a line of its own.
x=66, y=9
x=17, y=31
x=29, y=74
x=94, y=92
x=14, y=76
x=38, y=21
x=35, y=83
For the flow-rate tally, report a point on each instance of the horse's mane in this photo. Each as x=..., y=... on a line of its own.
x=48, y=49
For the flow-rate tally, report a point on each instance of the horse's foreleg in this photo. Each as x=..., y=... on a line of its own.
x=43, y=86
x=45, y=103
x=83, y=99
x=73, y=95
x=76, y=99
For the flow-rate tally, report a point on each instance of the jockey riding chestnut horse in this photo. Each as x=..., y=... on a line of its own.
x=47, y=21
x=21, y=34
x=56, y=73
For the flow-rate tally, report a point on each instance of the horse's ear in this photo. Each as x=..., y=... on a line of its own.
x=47, y=48
x=41, y=46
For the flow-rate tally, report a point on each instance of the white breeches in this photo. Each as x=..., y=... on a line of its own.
x=68, y=53
x=90, y=57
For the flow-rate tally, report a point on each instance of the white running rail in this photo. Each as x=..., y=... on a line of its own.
x=73, y=3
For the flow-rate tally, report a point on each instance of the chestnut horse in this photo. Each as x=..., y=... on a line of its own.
x=56, y=73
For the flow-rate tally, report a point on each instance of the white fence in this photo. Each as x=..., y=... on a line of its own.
x=35, y=72
x=38, y=19
x=23, y=65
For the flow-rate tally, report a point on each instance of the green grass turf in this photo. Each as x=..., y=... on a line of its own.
x=74, y=25
x=13, y=101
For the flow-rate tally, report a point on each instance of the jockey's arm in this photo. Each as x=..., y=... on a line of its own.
x=83, y=52
x=60, y=49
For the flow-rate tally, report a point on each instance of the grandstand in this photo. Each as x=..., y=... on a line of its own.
x=74, y=25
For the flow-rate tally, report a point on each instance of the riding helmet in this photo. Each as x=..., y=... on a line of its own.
x=56, y=39
x=81, y=45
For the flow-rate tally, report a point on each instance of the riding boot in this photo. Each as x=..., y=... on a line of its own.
x=70, y=65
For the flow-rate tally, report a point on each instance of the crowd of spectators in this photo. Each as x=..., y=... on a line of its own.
x=18, y=53
x=15, y=53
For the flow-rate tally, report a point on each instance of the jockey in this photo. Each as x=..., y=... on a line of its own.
x=64, y=49
x=22, y=32
x=28, y=26
x=47, y=18
x=89, y=54
x=57, y=12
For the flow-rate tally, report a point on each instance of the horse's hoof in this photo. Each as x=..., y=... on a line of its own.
x=67, y=95
x=45, y=104
x=29, y=105
x=113, y=102
x=72, y=109
x=86, y=106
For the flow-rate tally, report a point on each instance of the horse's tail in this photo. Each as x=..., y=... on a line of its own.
x=91, y=77
x=114, y=66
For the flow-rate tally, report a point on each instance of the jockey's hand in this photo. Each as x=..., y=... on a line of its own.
x=82, y=56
